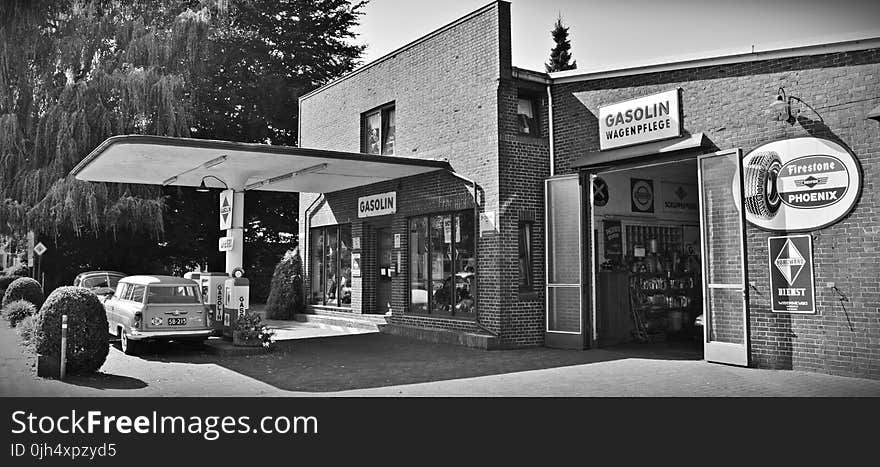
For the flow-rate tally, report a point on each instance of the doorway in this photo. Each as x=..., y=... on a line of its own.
x=664, y=241
x=384, y=271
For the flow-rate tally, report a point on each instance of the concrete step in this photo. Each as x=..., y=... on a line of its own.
x=336, y=321
x=483, y=341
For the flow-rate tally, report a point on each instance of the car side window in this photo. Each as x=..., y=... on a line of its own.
x=137, y=293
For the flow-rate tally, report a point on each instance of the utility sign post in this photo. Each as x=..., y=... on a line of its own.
x=226, y=209
x=39, y=249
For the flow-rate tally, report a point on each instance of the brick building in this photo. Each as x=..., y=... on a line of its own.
x=498, y=252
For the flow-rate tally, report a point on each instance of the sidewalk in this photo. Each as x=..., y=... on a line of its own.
x=376, y=364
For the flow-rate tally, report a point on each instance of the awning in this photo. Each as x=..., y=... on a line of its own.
x=664, y=147
x=159, y=160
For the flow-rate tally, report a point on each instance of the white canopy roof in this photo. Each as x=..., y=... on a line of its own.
x=160, y=160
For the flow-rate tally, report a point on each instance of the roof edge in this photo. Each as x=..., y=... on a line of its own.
x=679, y=63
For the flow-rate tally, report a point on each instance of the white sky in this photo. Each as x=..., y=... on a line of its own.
x=605, y=32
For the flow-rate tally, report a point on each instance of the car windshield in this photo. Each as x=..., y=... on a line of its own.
x=114, y=280
x=173, y=294
x=96, y=281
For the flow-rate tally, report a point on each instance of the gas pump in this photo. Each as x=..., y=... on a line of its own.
x=212, y=295
x=236, y=300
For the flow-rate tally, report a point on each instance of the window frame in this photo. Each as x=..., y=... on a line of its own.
x=382, y=111
x=529, y=287
x=324, y=302
x=536, y=111
x=430, y=279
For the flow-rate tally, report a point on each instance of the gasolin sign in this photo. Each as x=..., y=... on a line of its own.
x=791, y=274
x=800, y=184
x=226, y=209
x=377, y=205
x=640, y=120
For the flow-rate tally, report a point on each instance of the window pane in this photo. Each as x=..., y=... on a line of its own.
x=371, y=133
x=331, y=257
x=418, y=265
x=137, y=293
x=563, y=206
x=441, y=264
x=525, y=257
x=465, y=263
x=317, y=266
x=345, y=265
x=525, y=110
x=388, y=131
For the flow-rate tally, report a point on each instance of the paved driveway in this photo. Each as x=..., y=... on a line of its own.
x=383, y=365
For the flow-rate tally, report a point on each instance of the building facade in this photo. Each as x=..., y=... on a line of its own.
x=511, y=248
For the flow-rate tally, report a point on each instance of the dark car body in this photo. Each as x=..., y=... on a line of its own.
x=100, y=282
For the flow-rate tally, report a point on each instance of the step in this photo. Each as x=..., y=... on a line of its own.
x=340, y=321
x=445, y=336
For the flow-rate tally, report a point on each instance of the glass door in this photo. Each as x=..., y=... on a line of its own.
x=564, y=327
x=725, y=291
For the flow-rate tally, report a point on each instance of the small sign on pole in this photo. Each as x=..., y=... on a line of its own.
x=40, y=249
x=226, y=197
x=225, y=243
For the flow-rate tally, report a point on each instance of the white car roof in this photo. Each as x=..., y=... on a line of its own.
x=158, y=280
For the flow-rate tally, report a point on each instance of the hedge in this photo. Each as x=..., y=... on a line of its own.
x=20, y=270
x=4, y=283
x=24, y=288
x=18, y=310
x=285, y=294
x=88, y=339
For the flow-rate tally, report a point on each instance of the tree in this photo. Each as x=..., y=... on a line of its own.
x=560, y=58
x=73, y=73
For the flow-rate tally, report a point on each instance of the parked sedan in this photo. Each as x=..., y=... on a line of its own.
x=157, y=308
x=100, y=282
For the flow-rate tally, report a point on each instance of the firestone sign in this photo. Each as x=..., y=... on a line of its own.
x=377, y=205
x=799, y=184
x=637, y=121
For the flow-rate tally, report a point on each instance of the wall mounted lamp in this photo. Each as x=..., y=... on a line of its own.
x=782, y=103
x=204, y=188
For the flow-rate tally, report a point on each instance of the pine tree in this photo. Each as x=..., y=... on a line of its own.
x=559, y=55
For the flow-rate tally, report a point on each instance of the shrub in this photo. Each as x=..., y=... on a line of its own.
x=4, y=283
x=24, y=288
x=18, y=310
x=20, y=270
x=285, y=294
x=26, y=330
x=88, y=341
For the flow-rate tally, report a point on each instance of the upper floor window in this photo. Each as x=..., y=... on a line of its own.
x=377, y=131
x=527, y=116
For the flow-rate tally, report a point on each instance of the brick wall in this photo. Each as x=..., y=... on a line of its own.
x=729, y=103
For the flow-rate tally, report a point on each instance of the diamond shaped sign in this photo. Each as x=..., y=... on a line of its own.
x=39, y=249
x=226, y=209
x=790, y=262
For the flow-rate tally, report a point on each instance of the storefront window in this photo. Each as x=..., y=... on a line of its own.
x=331, y=265
x=418, y=265
x=442, y=255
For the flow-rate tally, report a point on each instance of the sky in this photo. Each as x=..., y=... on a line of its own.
x=608, y=32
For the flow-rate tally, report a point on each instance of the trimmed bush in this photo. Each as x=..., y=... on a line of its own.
x=24, y=288
x=20, y=270
x=88, y=340
x=4, y=283
x=18, y=310
x=285, y=294
x=26, y=330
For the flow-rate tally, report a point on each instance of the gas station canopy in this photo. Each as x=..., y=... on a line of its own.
x=161, y=160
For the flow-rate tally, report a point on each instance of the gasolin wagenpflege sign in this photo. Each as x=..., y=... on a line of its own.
x=800, y=184
x=792, y=289
x=640, y=120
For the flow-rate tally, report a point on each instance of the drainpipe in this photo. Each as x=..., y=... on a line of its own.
x=550, y=129
x=476, y=253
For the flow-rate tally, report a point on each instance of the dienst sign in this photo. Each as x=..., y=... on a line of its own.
x=637, y=121
x=377, y=205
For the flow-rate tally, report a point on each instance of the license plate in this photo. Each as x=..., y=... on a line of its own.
x=176, y=321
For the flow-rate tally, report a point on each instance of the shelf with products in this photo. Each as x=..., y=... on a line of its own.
x=665, y=291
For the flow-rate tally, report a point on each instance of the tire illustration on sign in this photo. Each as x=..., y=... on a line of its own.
x=759, y=183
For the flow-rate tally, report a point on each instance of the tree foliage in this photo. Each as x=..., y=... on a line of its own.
x=74, y=72
x=560, y=57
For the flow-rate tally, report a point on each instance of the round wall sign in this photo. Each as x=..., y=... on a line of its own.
x=600, y=192
x=800, y=184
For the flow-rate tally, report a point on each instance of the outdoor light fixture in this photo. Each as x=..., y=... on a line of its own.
x=874, y=114
x=206, y=165
x=204, y=188
x=269, y=181
x=215, y=161
x=781, y=103
x=169, y=181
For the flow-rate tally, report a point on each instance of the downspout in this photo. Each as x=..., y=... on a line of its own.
x=550, y=129
x=476, y=253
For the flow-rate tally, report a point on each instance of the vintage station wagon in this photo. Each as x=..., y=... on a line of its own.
x=157, y=308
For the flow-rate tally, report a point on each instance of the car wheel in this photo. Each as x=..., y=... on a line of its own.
x=128, y=346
